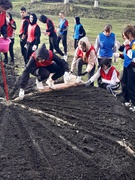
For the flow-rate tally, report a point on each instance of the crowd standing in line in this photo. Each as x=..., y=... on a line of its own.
x=41, y=62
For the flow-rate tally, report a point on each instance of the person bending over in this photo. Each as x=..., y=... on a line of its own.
x=42, y=63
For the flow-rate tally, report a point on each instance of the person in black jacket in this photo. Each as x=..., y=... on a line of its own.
x=51, y=32
x=79, y=31
x=34, y=33
x=24, y=32
x=42, y=63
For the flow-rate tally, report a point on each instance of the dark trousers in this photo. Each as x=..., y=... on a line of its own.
x=80, y=64
x=75, y=43
x=23, y=50
x=29, y=50
x=63, y=37
x=44, y=72
x=54, y=45
x=11, y=52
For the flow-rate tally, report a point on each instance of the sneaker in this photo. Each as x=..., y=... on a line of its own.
x=78, y=79
x=127, y=104
x=39, y=85
x=50, y=83
x=132, y=108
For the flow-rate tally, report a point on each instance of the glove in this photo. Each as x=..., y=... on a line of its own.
x=21, y=94
x=126, y=42
x=117, y=44
x=34, y=47
x=87, y=83
x=66, y=76
x=84, y=73
x=116, y=55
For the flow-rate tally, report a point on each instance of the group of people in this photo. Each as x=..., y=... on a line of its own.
x=42, y=62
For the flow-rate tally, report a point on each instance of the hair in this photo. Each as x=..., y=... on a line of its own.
x=108, y=27
x=129, y=30
x=106, y=62
x=23, y=9
x=6, y=4
x=83, y=44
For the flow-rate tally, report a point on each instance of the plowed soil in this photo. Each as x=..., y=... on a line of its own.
x=74, y=134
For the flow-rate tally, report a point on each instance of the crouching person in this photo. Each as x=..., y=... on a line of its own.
x=109, y=77
x=84, y=55
x=42, y=63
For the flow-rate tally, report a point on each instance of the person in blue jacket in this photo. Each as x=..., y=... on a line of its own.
x=79, y=31
x=105, y=44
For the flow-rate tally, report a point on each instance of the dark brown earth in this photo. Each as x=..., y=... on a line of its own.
x=74, y=134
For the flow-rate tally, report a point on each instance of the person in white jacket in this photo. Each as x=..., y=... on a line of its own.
x=109, y=77
x=84, y=55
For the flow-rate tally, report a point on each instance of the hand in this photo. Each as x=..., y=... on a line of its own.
x=70, y=72
x=21, y=94
x=87, y=83
x=67, y=76
x=126, y=42
x=117, y=44
x=34, y=47
x=84, y=73
x=116, y=55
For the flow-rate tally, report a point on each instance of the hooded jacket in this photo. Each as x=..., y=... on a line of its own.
x=79, y=31
x=34, y=32
x=91, y=57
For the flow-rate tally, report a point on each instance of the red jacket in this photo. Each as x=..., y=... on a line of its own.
x=31, y=32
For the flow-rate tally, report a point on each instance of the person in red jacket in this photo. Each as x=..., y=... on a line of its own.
x=51, y=32
x=11, y=27
x=4, y=6
x=23, y=32
x=34, y=34
x=41, y=64
x=109, y=77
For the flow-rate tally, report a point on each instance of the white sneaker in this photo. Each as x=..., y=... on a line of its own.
x=50, y=83
x=78, y=79
x=21, y=94
x=65, y=57
x=39, y=85
x=132, y=108
x=127, y=104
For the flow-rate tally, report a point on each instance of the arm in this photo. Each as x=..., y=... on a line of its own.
x=50, y=26
x=37, y=35
x=30, y=67
x=93, y=78
x=73, y=64
x=91, y=61
x=97, y=44
x=13, y=25
x=4, y=29
x=82, y=32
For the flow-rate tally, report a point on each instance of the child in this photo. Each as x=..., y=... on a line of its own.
x=34, y=34
x=11, y=27
x=109, y=77
x=84, y=55
x=79, y=31
x=42, y=63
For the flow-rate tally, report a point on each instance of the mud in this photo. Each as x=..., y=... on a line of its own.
x=74, y=134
